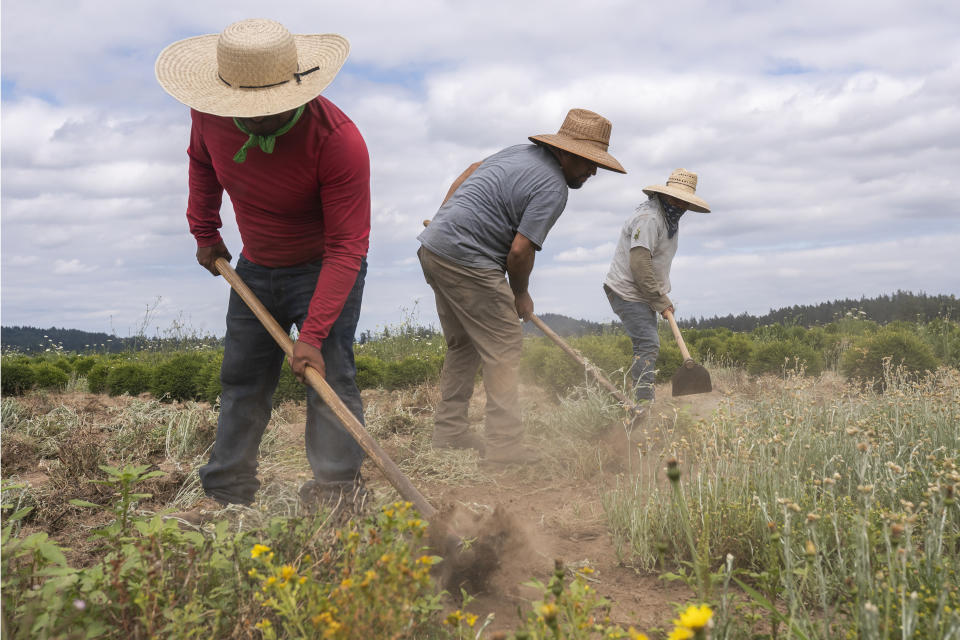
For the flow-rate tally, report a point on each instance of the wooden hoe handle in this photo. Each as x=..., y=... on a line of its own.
x=676, y=334
x=380, y=458
x=590, y=367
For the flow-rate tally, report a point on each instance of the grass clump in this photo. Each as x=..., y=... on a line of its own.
x=838, y=509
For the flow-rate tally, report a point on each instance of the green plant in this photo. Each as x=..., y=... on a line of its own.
x=209, y=378
x=736, y=350
x=570, y=610
x=865, y=360
x=16, y=377
x=123, y=482
x=777, y=356
x=49, y=376
x=132, y=378
x=375, y=569
x=179, y=377
x=97, y=377
x=83, y=364
x=371, y=372
x=411, y=371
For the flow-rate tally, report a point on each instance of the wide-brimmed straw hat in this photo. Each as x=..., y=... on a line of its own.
x=254, y=68
x=586, y=134
x=681, y=184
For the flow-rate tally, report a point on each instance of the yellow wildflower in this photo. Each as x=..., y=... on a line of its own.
x=287, y=572
x=258, y=549
x=548, y=611
x=471, y=619
x=680, y=633
x=636, y=635
x=695, y=617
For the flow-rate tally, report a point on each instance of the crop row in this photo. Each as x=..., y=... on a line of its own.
x=855, y=348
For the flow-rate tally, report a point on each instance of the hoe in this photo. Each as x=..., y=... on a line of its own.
x=691, y=377
x=474, y=560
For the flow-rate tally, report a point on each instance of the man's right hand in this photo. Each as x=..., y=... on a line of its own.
x=207, y=256
x=524, y=304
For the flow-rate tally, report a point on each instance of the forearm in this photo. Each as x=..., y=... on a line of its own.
x=337, y=278
x=645, y=279
x=519, y=267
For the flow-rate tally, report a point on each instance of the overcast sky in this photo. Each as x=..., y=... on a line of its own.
x=826, y=136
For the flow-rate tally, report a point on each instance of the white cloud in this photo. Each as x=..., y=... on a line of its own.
x=71, y=267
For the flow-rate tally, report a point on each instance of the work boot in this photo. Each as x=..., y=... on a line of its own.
x=203, y=510
x=515, y=454
x=342, y=498
x=467, y=440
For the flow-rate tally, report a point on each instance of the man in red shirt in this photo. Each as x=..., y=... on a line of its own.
x=298, y=174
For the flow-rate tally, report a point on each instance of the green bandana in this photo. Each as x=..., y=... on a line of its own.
x=266, y=143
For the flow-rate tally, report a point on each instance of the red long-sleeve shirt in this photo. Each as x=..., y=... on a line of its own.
x=309, y=200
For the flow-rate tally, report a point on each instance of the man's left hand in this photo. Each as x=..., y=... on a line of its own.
x=306, y=354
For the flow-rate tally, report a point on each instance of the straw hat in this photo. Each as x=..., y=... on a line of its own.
x=586, y=134
x=681, y=185
x=254, y=68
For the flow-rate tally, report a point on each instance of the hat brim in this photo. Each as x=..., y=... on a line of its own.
x=582, y=149
x=187, y=70
x=695, y=203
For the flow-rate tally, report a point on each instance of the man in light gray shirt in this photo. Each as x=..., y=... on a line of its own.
x=639, y=278
x=494, y=218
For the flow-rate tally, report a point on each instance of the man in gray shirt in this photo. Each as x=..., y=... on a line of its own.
x=494, y=218
x=639, y=278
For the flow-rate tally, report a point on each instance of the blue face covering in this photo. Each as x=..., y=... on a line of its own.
x=672, y=215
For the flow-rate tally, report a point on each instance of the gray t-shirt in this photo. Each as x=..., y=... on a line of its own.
x=518, y=190
x=645, y=228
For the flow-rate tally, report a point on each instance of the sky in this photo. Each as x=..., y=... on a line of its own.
x=826, y=136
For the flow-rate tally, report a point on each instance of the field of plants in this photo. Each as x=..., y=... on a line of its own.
x=812, y=494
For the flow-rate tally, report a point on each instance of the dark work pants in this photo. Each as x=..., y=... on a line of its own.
x=251, y=370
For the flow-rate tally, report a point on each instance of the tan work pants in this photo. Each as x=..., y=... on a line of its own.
x=480, y=324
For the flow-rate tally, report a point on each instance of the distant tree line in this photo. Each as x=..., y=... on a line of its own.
x=901, y=306
x=34, y=340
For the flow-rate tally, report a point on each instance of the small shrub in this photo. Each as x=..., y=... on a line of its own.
x=49, y=376
x=710, y=347
x=865, y=360
x=83, y=364
x=64, y=365
x=97, y=377
x=16, y=377
x=737, y=350
x=776, y=355
x=130, y=377
x=412, y=371
x=371, y=372
x=209, y=379
x=178, y=378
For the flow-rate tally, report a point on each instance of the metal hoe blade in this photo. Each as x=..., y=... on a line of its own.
x=691, y=378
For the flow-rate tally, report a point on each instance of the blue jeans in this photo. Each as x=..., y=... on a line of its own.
x=251, y=370
x=640, y=322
